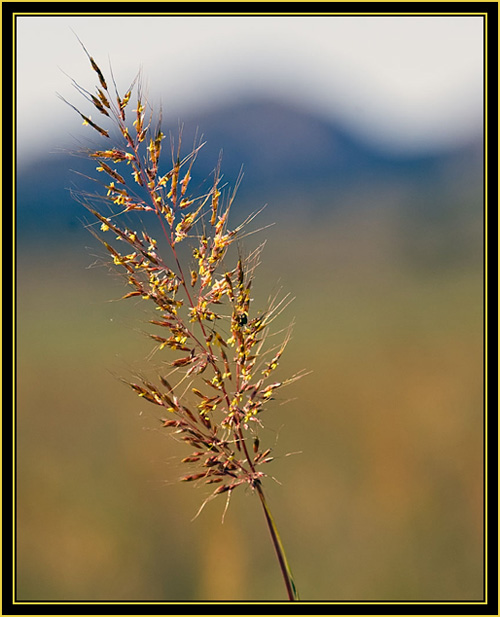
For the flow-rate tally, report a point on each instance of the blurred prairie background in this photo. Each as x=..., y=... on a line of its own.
x=364, y=137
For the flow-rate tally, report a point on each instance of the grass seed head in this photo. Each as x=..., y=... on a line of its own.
x=204, y=307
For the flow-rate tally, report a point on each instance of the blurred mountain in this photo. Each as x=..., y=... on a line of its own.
x=290, y=159
x=278, y=143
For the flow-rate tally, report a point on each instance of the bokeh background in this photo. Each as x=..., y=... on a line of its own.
x=364, y=137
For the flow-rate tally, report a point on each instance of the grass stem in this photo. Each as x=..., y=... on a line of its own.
x=278, y=546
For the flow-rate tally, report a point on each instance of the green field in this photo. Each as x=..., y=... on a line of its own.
x=383, y=496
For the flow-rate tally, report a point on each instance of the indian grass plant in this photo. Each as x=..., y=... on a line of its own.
x=217, y=376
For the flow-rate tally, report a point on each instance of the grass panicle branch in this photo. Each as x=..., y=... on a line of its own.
x=218, y=354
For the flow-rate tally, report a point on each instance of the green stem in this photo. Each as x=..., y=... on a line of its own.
x=293, y=594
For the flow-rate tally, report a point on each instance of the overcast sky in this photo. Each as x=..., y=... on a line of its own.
x=405, y=83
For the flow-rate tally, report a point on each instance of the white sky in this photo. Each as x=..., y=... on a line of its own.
x=406, y=83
